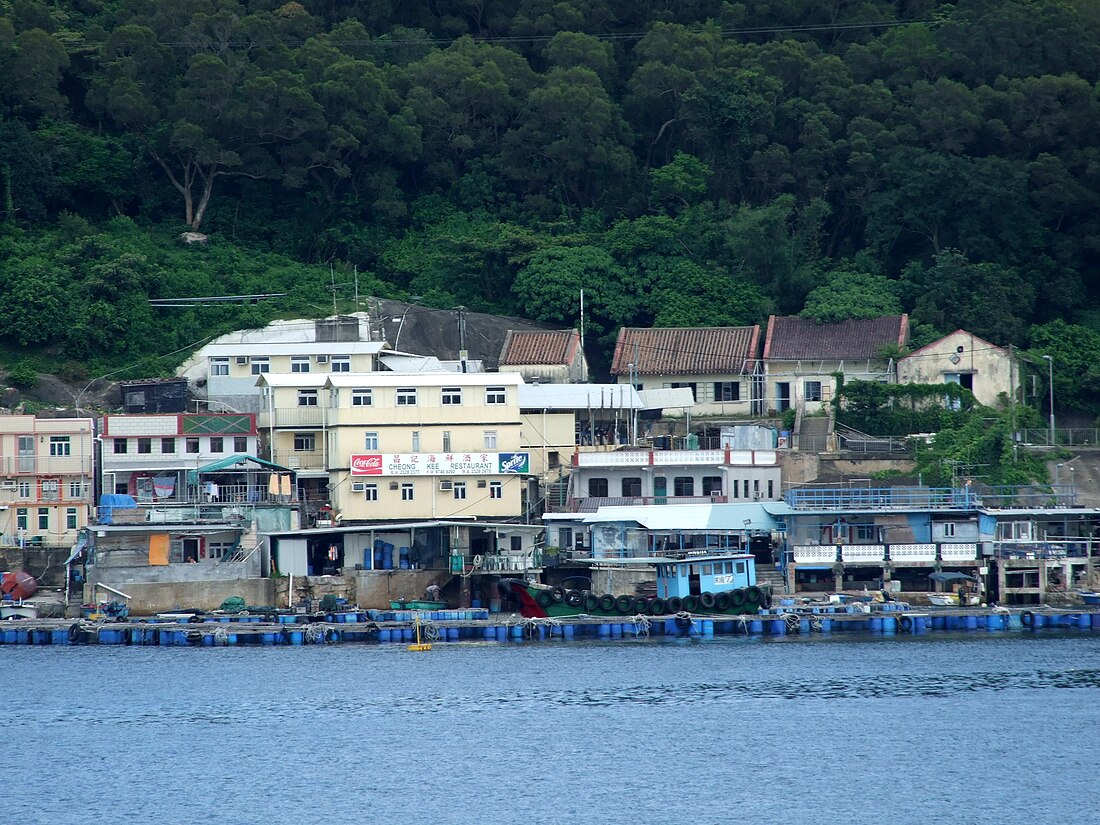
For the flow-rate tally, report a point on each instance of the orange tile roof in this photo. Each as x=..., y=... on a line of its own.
x=542, y=347
x=686, y=350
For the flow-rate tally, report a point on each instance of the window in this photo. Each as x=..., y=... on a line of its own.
x=76, y=489
x=740, y=569
x=261, y=365
x=70, y=518
x=446, y=441
x=771, y=488
x=712, y=485
x=341, y=363
x=145, y=446
x=361, y=397
x=496, y=395
x=755, y=488
x=708, y=569
x=597, y=487
x=240, y=444
x=949, y=529
x=745, y=486
x=632, y=487
x=416, y=441
x=43, y=518
x=21, y=518
x=406, y=397
x=307, y=398
x=496, y=489
x=191, y=445
x=305, y=442
x=813, y=391
x=865, y=532
x=219, y=366
x=299, y=363
x=24, y=489
x=407, y=491
x=459, y=490
x=683, y=486
x=168, y=446
x=490, y=439
x=727, y=390
x=451, y=396
x=370, y=441
x=217, y=444
x=735, y=489
x=60, y=445
x=51, y=490
x=370, y=492
x=120, y=446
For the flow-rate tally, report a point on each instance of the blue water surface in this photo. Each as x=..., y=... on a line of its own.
x=946, y=729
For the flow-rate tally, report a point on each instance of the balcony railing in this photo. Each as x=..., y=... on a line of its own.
x=226, y=494
x=1046, y=549
x=591, y=504
x=882, y=498
x=664, y=458
x=929, y=553
x=14, y=465
x=301, y=459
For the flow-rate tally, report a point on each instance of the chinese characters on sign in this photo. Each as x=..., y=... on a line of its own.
x=439, y=464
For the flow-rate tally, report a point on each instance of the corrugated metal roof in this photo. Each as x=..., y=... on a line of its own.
x=791, y=338
x=753, y=517
x=580, y=397
x=685, y=350
x=542, y=347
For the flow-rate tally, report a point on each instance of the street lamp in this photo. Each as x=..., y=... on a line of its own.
x=1050, y=381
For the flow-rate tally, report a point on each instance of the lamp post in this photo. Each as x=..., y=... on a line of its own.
x=1050, y=381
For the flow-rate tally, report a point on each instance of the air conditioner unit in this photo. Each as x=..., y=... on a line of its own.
x=757, y=496
x=481, y=483
x=242, y=360
x=446, y=485
x=394, y=485
x=322, y=359
x=358, y=486
x=8, y=485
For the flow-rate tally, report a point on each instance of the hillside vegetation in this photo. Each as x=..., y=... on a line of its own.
x=691, y=162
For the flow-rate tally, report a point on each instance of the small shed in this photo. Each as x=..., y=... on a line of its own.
x=155, y=395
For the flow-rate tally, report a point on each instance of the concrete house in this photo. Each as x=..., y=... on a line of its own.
x=963, y=358
x=550, y=356
x=801, y=357
x=718, y=364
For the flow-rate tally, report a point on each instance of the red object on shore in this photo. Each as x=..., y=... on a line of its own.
x=18, y=585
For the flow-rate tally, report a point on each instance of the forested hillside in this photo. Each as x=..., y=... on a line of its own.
x=692, y=162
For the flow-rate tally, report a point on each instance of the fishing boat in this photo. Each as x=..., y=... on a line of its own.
x=715, y=584
x=1089, y=596
x=18, y=609
x=416, y=604
x=951, y=599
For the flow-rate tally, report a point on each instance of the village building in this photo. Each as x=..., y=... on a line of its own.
x=718, y=365
x=802, y=357
x=963, y=358
x=545, y=356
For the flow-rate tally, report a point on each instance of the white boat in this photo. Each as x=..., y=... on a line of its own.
x=951, y=600
x=18, y=610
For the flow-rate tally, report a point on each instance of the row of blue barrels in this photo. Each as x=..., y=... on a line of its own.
x=850, y=609
x=382, y=554
x=164, y=637
x=470, y=615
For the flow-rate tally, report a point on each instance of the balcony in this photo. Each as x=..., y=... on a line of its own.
x=676, y=458
x=883, y=498
x=227, y=494
x=16, y=465
x=914, y=554
x=301, y=459
x=591, y=504
x=299, y=417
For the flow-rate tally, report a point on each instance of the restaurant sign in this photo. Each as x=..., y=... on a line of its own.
x=439, y=464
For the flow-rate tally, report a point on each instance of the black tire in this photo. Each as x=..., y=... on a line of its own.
x=691, y=603
x=76, y=635
x=675, y=604
x=683, y=622
x=722, y=602
x=1027, y=618
x=606, y=603
x=624, y=605
x=707, y=601
x=737, y=598
x=640, y=606
x=558, y=595
x=754, y=595
x=767, y=603
x=905, y=624
x=543, y=598
x=591, y=601
x=574, y=598
x=657, y=607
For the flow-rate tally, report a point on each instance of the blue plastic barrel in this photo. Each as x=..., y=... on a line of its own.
x=826, y=625
x=384, y=634
x=60, y=637
x=605, y=631
x=517, y=631
x=756, y=626
x=804, y=627
x=779, y=627
x=1094, y=620
x=876, y=624
x=567, y=632
x=708, y=628
x=502, y=633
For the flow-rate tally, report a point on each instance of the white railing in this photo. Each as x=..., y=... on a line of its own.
x=679, y=458
x=958, y=552
x=863, y=552
x=815, y=554
x=912, y=552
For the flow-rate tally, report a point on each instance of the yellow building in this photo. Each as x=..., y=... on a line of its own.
x=965, y=359
x=45, y=479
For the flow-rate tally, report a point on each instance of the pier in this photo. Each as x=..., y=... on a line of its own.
x=398, y=626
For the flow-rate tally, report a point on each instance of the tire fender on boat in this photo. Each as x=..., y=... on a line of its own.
x=574, y=598
x=543, y=598
x=624, y=605
x=674, y=604
x=657, y=607
x=606, y=602
x=558, y=595
x=737, y=598
x=691, y=603
x=1027, y=618
x=753, y=594
x=722, y=601
x=707, y=600
x=905, y=624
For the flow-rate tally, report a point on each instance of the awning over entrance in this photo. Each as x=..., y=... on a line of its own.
x=251, y=461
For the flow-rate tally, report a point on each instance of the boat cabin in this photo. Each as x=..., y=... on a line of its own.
x=699, y=574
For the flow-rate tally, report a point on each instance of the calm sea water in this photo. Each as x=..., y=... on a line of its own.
x=964, y=729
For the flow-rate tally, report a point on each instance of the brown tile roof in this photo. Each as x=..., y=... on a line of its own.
x=686, y=350
x=544, y=347
x=791, y=338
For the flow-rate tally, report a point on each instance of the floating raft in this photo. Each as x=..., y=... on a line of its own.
x=458, y=625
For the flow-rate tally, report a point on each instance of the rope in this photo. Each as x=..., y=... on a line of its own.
x=641, y=625
x=794, y=623
x=531, y=625
x=743, y=620
x=314, y=632
x=221, y=635
x=815, y=623
x=429, y=630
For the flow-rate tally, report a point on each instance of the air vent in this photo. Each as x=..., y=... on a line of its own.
x=358, y=486
x=242, y=360
x=446, y=485
x=393, y=485
x=322, y=359
x=481, y=483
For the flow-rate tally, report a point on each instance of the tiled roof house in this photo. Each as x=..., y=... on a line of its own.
x=716, y=363
x=548, y=356
x=963, y=358
x=801, y=356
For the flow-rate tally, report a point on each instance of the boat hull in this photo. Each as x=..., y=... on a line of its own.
x=540, y=602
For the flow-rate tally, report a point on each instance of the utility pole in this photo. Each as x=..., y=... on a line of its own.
x=463, y=356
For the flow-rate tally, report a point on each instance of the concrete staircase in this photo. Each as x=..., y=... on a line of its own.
x=813, y=433
x=767, y=574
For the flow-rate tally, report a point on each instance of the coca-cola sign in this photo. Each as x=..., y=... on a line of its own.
x=369, y=464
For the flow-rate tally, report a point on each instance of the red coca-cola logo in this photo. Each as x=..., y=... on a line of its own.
x=366, y=465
